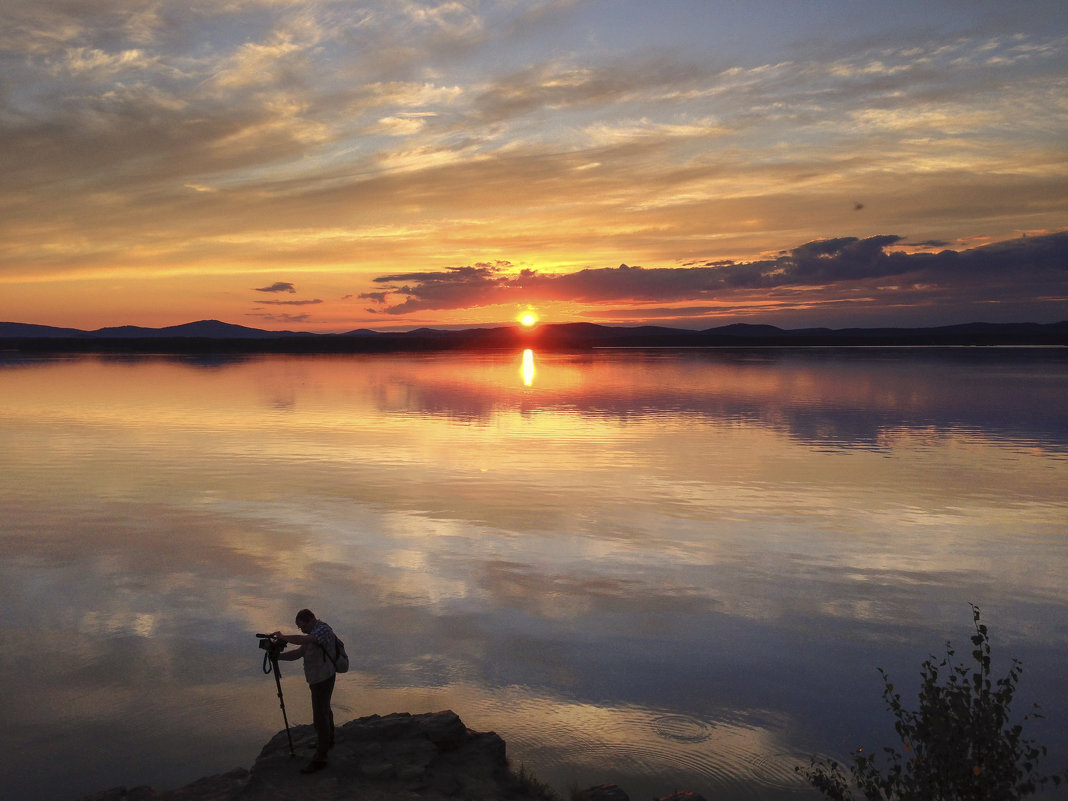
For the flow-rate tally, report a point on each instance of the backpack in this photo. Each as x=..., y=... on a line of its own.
x=341, y=662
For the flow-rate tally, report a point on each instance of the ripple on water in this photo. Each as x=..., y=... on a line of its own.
x=650, y=751
x=775, y=770
x=725, y=753
x=681, y=728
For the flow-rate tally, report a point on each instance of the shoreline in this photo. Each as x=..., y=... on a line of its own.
x=424, y=757
x=220, y=338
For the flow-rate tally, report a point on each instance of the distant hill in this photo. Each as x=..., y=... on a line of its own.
x=216, y=336
x=30, y=331
x=209, y=329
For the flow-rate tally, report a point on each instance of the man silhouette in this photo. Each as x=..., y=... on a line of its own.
x=317, y=643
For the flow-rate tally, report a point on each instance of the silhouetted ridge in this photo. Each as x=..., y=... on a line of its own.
x=746, y=329
x=213, y=336
x=31, y=331
x=361, y=332
x=211, y=329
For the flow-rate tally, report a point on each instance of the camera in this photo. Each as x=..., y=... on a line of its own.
x=269, y=644
x=272, y=648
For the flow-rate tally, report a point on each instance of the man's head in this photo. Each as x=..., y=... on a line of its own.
x=305, y=620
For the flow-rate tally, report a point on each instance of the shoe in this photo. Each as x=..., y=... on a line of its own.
x=314, y=766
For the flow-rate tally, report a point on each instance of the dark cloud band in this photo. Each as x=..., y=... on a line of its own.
x=1017, y=268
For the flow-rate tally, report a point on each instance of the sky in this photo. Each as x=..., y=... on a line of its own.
x=327, y=165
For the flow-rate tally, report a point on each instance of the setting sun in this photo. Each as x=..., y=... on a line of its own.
x=528, y=319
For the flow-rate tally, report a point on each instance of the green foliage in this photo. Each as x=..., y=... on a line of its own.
x=958, y=745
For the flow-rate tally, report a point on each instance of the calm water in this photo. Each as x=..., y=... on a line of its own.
x=663, y=569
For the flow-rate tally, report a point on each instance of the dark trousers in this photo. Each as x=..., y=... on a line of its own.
x=322, y=715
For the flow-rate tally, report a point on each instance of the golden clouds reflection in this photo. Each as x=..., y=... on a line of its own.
x=743, y=746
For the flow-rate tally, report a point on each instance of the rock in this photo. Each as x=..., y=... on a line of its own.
x=683, y=795
x=603, y=792
x=610, y=792
x=431, y=757
x=399, y=757
x=122, y=794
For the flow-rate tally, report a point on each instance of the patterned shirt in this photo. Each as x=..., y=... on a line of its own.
x=323, y=634
x=317, y=665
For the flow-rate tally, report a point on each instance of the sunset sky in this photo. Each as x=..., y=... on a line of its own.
x=326, y=165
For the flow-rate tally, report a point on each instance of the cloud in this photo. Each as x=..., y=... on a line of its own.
x=278, y=286
x=456, y=287
x=92, y=60
x=930, y=243
x=402, y=124
x=834, y=269
x=560, y=85
x=289, y=302
x=256, y=64
x=192, y=138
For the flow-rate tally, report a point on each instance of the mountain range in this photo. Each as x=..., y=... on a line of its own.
x=213, y=335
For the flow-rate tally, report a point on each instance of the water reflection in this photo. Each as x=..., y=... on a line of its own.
x=659, y=569
x=528, y=367
x=841, y=400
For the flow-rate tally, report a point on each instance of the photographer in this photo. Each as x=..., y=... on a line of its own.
x=318, y=645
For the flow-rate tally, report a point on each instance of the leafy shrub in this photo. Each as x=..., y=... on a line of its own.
x=959, y=745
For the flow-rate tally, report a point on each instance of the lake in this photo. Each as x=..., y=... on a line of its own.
x=667, y=569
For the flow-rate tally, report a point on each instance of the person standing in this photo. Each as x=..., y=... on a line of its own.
x=317, y=644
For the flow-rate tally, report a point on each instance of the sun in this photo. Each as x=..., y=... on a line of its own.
x=528, y=319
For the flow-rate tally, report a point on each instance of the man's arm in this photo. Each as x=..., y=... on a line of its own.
x=293, y=655
x=295, y=639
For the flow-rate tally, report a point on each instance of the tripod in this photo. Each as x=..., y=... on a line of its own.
x=270, y=665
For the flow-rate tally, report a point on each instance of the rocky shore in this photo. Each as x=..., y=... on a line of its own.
x=429, y=757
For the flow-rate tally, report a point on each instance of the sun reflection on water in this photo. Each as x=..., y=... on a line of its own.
x=528, y=367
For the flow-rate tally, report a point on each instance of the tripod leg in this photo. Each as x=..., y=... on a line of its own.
x=282, y=702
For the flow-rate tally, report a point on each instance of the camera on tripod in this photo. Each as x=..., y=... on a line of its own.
x=272, y=646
